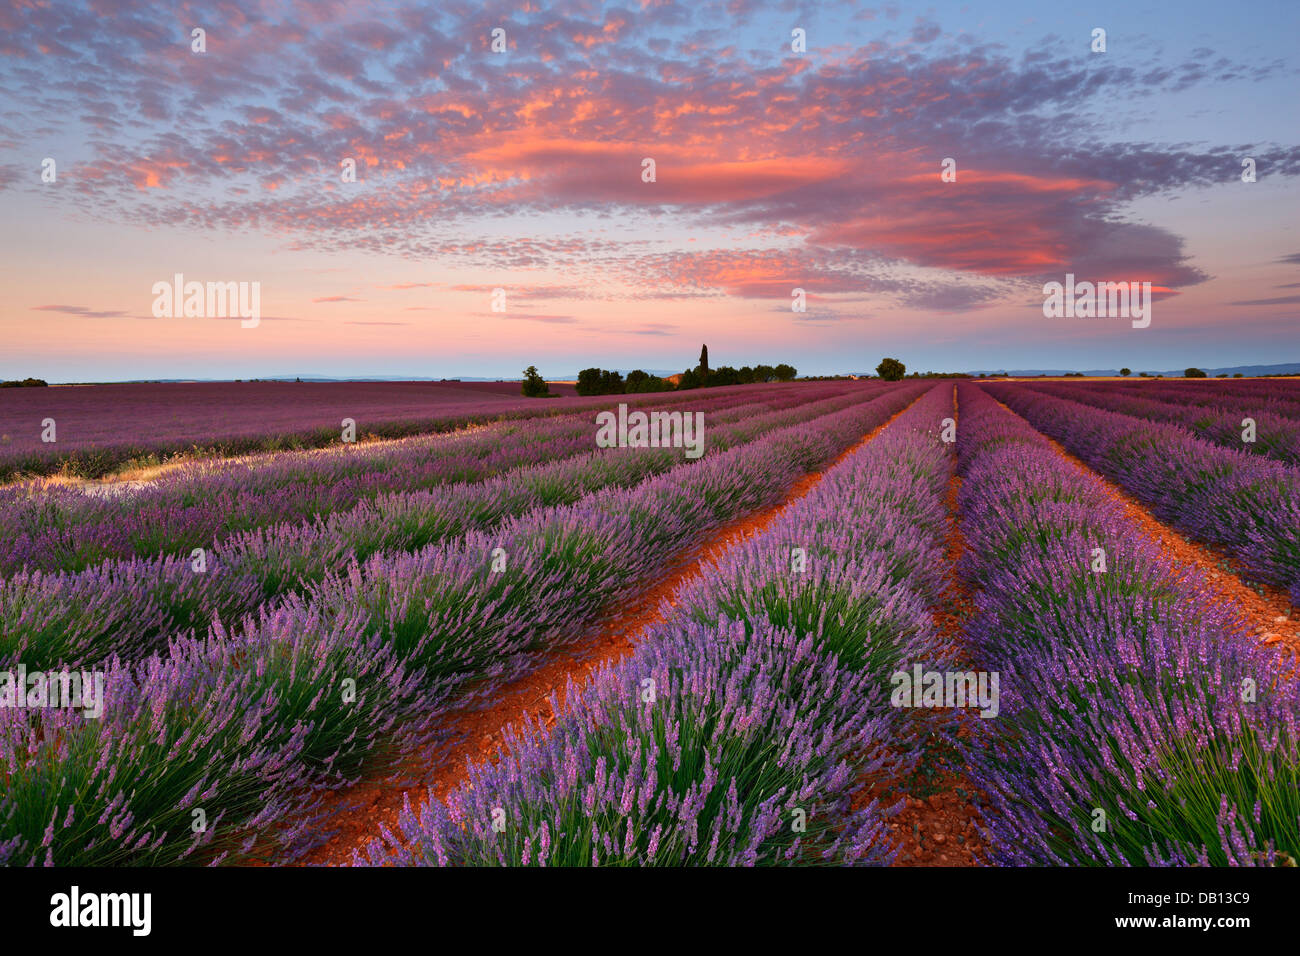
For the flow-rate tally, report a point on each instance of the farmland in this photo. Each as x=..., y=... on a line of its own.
x=98, y=428
x=491, y=641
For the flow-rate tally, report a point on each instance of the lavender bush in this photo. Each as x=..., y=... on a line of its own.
x=750, y=726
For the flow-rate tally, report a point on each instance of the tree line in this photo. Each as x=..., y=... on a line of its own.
x=25, y=383
x=601, y=381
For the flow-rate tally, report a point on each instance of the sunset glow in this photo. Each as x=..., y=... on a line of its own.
x=522, y=170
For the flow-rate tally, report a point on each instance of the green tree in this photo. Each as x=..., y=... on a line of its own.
x=589, y=382
x=746, y=375
x=635, y=378
x=1126, y=372
x=1193, y=373
x=611, y=383
x=651, y=383
x=690, y=379
x=764, y=373
x=534, y=386
x=891, y=370
x=704, y=363
x=723, y=375
x=785, y=373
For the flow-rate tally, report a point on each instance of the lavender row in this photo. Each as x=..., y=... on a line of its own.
x=743, y=727
x=234, y=729
x=131, y=608
x=1139, y=724
x=53, y=527
x=1245, y=503
x=1246, y=427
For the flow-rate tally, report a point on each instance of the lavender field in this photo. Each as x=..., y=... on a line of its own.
x=937, y=622
x=98, y=428
x=445, y=440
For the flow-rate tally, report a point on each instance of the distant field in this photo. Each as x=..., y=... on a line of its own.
x=100, y=427
x=1137, y=379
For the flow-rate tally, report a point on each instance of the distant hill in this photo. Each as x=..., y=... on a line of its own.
x=660, y=372
x=555, y=377
x=312, y=377
x=1286, y=368
x=308, y=378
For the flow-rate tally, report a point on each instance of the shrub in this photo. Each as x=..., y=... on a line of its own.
x=26, y=383
x=649, y=383
x=723, y=375
x=589, y=381
x=891, y=370
x=533, y=385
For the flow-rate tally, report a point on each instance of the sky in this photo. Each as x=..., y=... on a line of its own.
x=524, y=171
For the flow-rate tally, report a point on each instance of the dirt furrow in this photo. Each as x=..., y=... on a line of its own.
x=937, y=825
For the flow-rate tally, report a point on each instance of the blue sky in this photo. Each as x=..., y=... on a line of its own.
x=521, y=171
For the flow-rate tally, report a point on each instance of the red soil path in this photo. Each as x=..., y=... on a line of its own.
x=939, y=828
x=478, y=733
